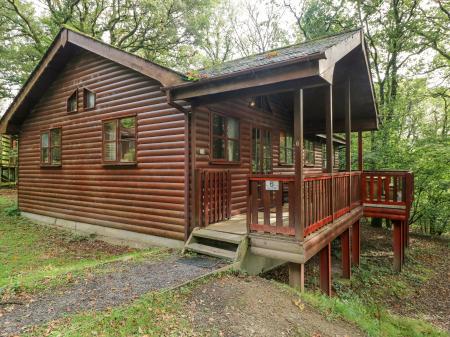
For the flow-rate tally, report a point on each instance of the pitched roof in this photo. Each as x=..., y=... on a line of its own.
x=301, y=50
x=53, y=60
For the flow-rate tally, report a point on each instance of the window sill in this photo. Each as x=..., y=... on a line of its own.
x=285, y=165
x=119, y=164
x=51, y=165
x=224, y=162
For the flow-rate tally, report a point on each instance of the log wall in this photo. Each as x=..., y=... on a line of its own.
x=148, y=197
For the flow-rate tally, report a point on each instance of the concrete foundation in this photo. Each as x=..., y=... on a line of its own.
x=111, y=235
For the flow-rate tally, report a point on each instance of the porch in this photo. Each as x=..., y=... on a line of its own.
x=333, y=204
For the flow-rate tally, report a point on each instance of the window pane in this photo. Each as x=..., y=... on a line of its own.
x=56, y=155
x=289, y=156
x=44, y=139
x=233, y=150
x=72, y=102
x=110, y=151
x=218, y=125
x=55, y=136
x=289, y=140
x=127, y=128
x=44, y=155
x=283, y=155
x=218, y=148
x=128, y=151
x=89, y=99
x=233, y=128
x=109, y=130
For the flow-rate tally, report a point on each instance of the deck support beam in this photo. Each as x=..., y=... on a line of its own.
x=397, y=245
x=356, y=243
x=325, y=269
x=345, y=254
x=297, y=276
x=298, y=157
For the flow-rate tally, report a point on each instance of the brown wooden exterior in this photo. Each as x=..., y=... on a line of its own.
x=147, y=196
x=175, y=184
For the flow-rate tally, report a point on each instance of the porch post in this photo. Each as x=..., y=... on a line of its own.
x=325, y=269
x=345, y=252
x=298, y=155
x=329, y=129
x=348, y=139
x=296, y=270
x=360, y=151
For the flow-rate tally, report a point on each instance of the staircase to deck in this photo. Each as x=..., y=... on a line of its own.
x=229, y=246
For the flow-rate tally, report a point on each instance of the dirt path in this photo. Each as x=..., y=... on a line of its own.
x=252, y=306
x=127, y=281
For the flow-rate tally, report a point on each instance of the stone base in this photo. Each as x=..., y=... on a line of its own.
x=111, y=235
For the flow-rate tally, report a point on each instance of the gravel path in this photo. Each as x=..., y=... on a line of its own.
x=127, y=282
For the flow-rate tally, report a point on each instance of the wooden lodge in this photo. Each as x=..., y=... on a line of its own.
x=251, y=161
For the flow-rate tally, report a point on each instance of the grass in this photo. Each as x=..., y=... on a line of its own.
x=372, y=319
x=154, y=314
x=34, y=257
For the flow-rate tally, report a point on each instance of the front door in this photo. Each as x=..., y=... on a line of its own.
x=262, y=151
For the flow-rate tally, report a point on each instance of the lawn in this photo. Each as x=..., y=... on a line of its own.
x=34, y=257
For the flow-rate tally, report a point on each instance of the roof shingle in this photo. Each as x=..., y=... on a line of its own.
x=276, y=55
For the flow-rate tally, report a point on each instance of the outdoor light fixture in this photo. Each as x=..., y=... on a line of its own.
x=252, y=103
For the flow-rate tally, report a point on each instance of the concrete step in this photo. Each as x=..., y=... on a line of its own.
x=218, y=236
x=211, y=251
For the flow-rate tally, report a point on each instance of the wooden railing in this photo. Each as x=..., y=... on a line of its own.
x=214, y=195
x=271, y=205
x=387, y=194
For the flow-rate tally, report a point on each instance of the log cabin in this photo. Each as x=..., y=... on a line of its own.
x=250, y=160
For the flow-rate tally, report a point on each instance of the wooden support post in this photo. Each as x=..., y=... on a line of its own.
x=345, y=250
x=297, y=276
x=298, y=157
x=329, y=134
x=360, y=152
x=325, y=269
x=397, y=245
x=356, y=243
x=348, y=139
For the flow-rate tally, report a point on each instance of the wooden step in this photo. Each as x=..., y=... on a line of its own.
x=211, y=251
x=218, y=236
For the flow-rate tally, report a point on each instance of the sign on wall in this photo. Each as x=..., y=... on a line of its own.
x=272, y=185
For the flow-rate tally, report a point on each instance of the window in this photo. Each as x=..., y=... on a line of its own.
x=225, y=138
x=309, y=152
x=51, y=147
x=88, y=99
x=119, y=140
x=286, y=148
x=72, y=102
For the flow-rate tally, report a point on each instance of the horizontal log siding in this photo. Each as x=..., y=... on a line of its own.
x=148, y=197
x=277, y=120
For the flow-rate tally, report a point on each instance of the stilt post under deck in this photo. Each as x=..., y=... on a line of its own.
x=325, y=269
x=345, y=253
x=297, y=276
x=397, y=245
x=356, y=243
